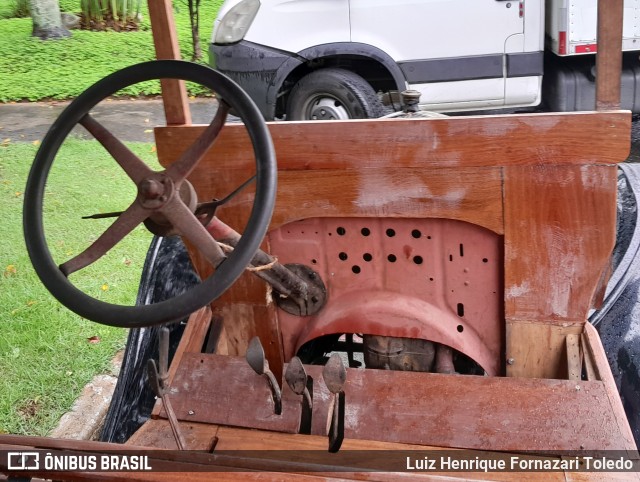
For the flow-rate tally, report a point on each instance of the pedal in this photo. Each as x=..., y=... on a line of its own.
x=334, y=375
x=258, y=362
x=301, y=384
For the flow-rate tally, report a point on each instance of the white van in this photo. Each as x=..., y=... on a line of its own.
x=339, y=59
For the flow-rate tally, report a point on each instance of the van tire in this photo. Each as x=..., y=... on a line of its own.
x=331, y=93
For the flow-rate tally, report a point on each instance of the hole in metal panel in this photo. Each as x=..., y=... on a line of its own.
x=461, y=250
x=343, y=256
x=367, y=257
x=392, y=258
x=341, y=231
x=416, y=233
x=460, y=310
x=355, y=268
x=365, y=231
x=417, y=259
x=460, y=328
x=391, y=232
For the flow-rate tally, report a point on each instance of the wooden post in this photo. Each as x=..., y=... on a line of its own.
x=609, y=57
x=165, y=39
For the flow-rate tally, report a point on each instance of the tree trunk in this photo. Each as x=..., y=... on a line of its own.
x=47, y=23
x=194, y=17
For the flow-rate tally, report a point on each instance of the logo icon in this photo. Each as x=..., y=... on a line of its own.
x=23, y=461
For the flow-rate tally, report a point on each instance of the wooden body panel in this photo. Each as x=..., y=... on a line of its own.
x=556, y=179
x=572, y=220
x=547, y=182
x=551, y=205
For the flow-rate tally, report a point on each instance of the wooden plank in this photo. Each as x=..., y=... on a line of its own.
x=609, y=56
x=602, y=476
x=574, y=361
x=470, y=141
x=165, y=40
x=172, y=465
x=542, y=358
x=225, y=390
x=304, y=458
x=481, y=413
x=596, y=350
x=358, y=452
x=557, y=247
x=157, y=434
x=590, y=367
x=471, y=195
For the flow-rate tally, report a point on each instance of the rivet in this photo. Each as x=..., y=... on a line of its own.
x=510, y=361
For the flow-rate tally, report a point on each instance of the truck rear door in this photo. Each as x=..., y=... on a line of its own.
x=456, y=52
x=572, y=26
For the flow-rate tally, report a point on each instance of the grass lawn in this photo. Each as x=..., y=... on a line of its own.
x=47, y=353
x=31, y=69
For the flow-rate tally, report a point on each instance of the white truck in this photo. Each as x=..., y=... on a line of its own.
x=339, y=59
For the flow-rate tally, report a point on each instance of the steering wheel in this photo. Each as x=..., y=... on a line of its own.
x=160, y=197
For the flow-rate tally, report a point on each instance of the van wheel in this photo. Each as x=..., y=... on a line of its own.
x=333, y=94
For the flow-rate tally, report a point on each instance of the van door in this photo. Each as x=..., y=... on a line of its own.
x=453, y=51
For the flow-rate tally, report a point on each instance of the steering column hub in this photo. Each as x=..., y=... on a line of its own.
x=153, y=193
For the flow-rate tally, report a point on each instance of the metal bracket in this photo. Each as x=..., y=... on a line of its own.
x=158, y=380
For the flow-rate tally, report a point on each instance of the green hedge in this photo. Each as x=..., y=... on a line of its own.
x=32, y=70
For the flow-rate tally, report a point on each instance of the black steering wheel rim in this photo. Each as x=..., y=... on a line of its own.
x=226, y=273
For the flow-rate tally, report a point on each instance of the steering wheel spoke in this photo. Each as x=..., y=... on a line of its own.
x=123, y=225
x=135, y=168
x=162, y=198
x=186, y=223
x=181, y=168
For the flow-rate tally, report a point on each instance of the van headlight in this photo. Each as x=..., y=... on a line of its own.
x=233, y=26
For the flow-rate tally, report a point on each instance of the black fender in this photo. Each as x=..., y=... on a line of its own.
x=618, y=319
x=330, y=50
x=167, y=272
